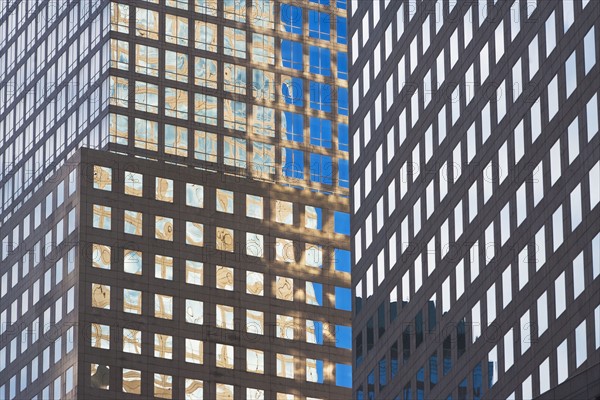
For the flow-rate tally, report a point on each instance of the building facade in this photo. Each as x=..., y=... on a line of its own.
x=475, y=162
x=174, y=196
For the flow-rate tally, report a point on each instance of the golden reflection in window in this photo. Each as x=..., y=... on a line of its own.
x=100, y=376
x=119, y=17
x=225, y=201
x=235, y=10
x=119, y=54
x=224, y=278
x=284, y=250
x=254, y=283
x=163, y=228
x=285, y=366
x=234, y=78
x=146, y=60
x=263, y=49
x=254, y=206
x=263, y=13
x=118, y=129
x=133, y=222
x=163, y=386
x=285, y=396
x=312, y=373
x=206, y=36
x=254, y=244
x=194, y=351
x=311, y=217
x=255, y=322
x=134, y=183
x=176, y=30
x=205, y=146
x=163, y=306
x=101, y=256
x=194, y=273
x=164, y=190
x=224, y=356
x=132, y=381
x=101, y=216
x=224, y=239
x=194, y=233
x=100, y=296
x=255, y=361
x=176, y=66
x=285, y=327
x=146, y=134
x=176, y=103
x=311, y=332
x=224, y=392
x=263, y=85
x=284, y=212
x=146, y=23
x=163, y=267
x=176, y=140
x=224, y=316
x=102, y=178
x=163, y=346
x=132, y=341
x=284, y=288
x=205, y=72
x=100, y=336
x=132, y=301
x=194, y=389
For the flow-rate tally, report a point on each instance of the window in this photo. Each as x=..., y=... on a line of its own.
x=235, y=10
x=119, y=54
x=146, y=97
x=100, y=336
x=205, y=146
x=176, y=66
x=176, y=140
x=206, y=36
x=291, y=18
x=205, y=72
x=263, y=84
x=234, y=151
x=194, y=235
x=163, y=386
x=234, y=78
x=163, y=228
x=102, y=178
x=176, y=30
x=320, y=60
x=132, y=262
x=263, y=49
x=205, y=110
x=119, y=17
x=320, y=96
x=163, y=346
x=234, y=42
x=194, y=351
x=224, y=318
x=291, y=54
x=101, y=217
x=163, y=267
x=146, y=60
x=132, y=341
x=176, y=103
x=163, y=306
x=132, y=301
x=318, y=25
x=194, y=312
x=119, y=91
x=224, y=239
x=146, y=23
x=254, y=283
x=146, y=137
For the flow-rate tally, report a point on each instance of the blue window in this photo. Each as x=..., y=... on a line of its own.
x=320, y=132
x=477, y=389
x=320, y=60
x=342, y=65
x=342, y=260
x=292, y=91
x=407, y=392
x=319, y=25
x=321, y=168
x=343, y=298
x=433, y=370
x=291, y=54
x=341, y=222
x=342, y=30
x=324, y=2
x=291, y=18
x=317, y=289
x=343, y=137
x=343, y=101
x=420, y=384
x=371, y=385
x=343, y=375
x=292, y=162
x=341, y=4
x=320, y=96
x=318, y=331
x=343, y=173
x=343, y=337
x=292, y=126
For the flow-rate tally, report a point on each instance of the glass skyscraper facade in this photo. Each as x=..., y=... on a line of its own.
x=174, y=200
x=475, y=188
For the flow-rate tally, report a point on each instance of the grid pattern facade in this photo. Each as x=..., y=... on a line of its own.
x=207, y=253
x=474, y=180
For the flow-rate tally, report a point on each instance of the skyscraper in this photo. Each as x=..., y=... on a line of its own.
x=475, y=188
x=174, y=200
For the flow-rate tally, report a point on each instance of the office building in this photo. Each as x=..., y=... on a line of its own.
x=174, y=194
x=475, y=170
